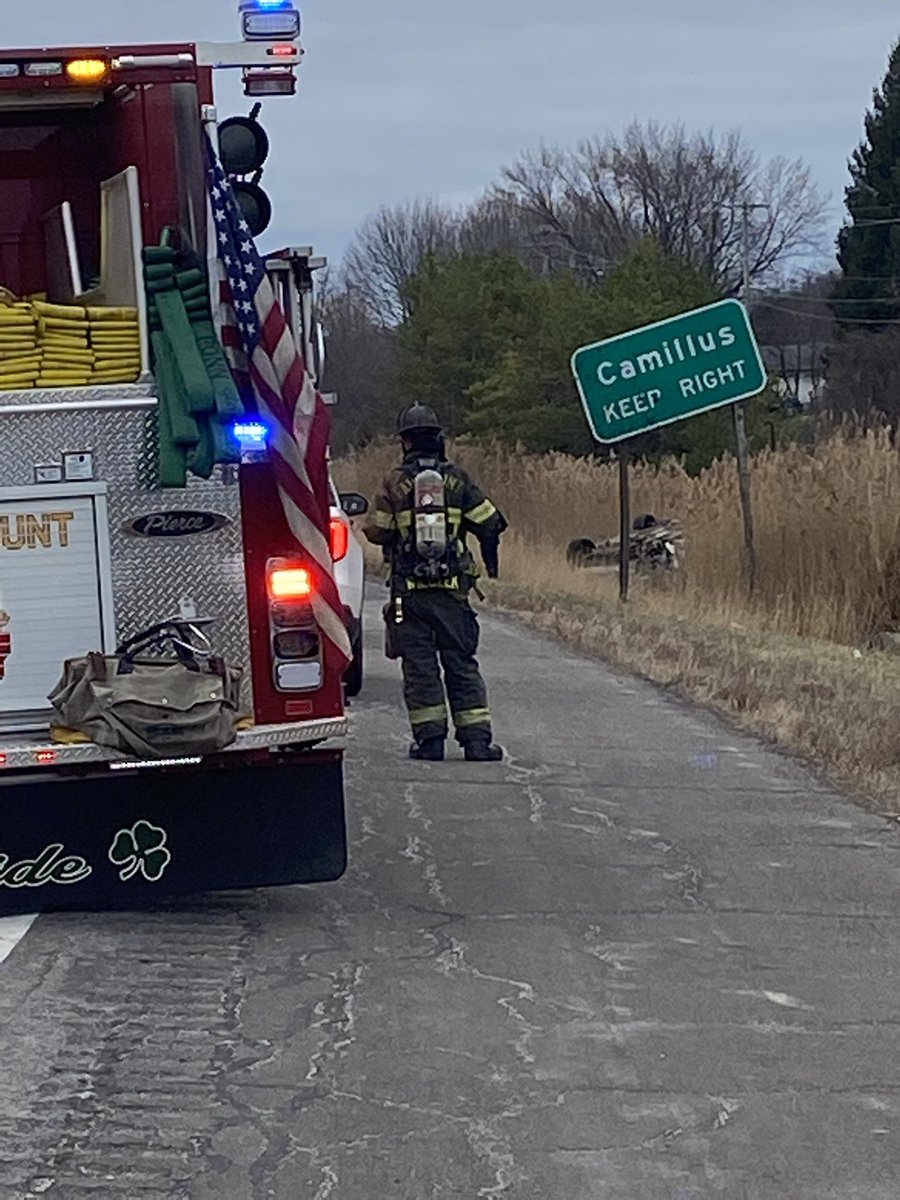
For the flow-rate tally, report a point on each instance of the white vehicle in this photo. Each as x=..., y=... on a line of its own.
x=350, y=575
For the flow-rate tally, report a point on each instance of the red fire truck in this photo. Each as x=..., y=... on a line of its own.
x=102, y=148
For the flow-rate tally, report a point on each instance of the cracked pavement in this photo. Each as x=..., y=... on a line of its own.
x=645, y=959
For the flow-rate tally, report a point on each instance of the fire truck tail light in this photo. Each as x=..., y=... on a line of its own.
x=294, y=640
x=293, y=614
x=297, y=644
x=3, y=761
x=46, y=758
x=340, y=539
x=290, y=582
x=87, y=70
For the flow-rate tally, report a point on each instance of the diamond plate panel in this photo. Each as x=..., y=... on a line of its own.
x=151, y=576
x=82, y=395
x=23, y=755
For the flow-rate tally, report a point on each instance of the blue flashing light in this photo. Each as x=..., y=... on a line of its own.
x=252, y=435
x=269, y=20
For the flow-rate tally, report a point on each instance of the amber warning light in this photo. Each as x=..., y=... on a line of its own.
x=87, y=70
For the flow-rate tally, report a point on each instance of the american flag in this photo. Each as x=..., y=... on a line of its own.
x=263, y=355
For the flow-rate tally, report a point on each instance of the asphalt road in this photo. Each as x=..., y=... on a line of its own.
x=646, y=959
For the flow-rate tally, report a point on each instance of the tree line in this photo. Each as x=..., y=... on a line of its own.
x=477, y=310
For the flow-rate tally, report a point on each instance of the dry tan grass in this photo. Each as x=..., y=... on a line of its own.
x=827, y=526
x=783, y=665
x=824, y=701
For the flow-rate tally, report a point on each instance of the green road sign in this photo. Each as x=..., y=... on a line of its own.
x=665, y=372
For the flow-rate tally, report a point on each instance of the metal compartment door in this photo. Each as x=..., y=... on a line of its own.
x=55, y=591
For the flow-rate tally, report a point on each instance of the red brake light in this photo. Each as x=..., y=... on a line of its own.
x=289, y=581
x=340, y=539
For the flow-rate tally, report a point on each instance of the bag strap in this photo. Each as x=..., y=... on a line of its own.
x=172, y=633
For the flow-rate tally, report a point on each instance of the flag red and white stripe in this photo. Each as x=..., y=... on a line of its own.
x=265, y=359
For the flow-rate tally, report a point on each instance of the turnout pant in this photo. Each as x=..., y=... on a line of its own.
x=440, y=630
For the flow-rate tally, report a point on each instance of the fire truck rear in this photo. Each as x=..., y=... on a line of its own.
x=102, y=156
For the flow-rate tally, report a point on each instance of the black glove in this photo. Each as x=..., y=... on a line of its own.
x=490, y=552
x=490, y=546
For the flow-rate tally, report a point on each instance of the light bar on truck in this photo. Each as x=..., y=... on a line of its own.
x=88, y=70
x=42, y=70
x=269, y=20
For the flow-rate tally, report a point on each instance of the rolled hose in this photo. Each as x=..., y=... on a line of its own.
x=198, y=398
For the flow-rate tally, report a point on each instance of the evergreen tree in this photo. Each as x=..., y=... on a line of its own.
x=466, y=313
x=869, y=255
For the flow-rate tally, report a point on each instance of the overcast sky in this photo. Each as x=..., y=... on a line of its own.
x=403, y=99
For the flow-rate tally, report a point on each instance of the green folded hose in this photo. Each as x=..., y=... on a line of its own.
x=198, y=398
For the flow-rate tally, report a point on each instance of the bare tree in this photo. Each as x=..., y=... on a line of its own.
x=388, y=251
x=359, y=368
x=591, y=204
x=498, y=224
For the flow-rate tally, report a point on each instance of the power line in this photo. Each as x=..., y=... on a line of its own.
x=792, y=296
x=797, y=312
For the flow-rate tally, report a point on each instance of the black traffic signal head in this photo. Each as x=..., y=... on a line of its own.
x=243, y=150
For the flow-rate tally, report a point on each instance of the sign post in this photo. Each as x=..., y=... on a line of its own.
x=663, y=373
x=624, y=523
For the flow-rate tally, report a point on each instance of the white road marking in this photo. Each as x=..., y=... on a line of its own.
x=12, y=930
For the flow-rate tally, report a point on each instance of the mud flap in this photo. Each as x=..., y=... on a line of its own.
x=133, y=838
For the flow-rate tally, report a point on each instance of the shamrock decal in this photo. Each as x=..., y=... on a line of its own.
x=142, y=848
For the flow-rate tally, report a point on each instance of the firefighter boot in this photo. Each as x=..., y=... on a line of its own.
x=428, y=750
x=481, y=750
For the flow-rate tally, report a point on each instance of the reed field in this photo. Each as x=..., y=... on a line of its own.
x=791, y=663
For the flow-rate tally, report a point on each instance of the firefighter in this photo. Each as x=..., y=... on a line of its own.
x=421, y=517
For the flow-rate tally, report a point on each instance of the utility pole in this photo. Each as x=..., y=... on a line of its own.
x=740, y=429
x=624, y=521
